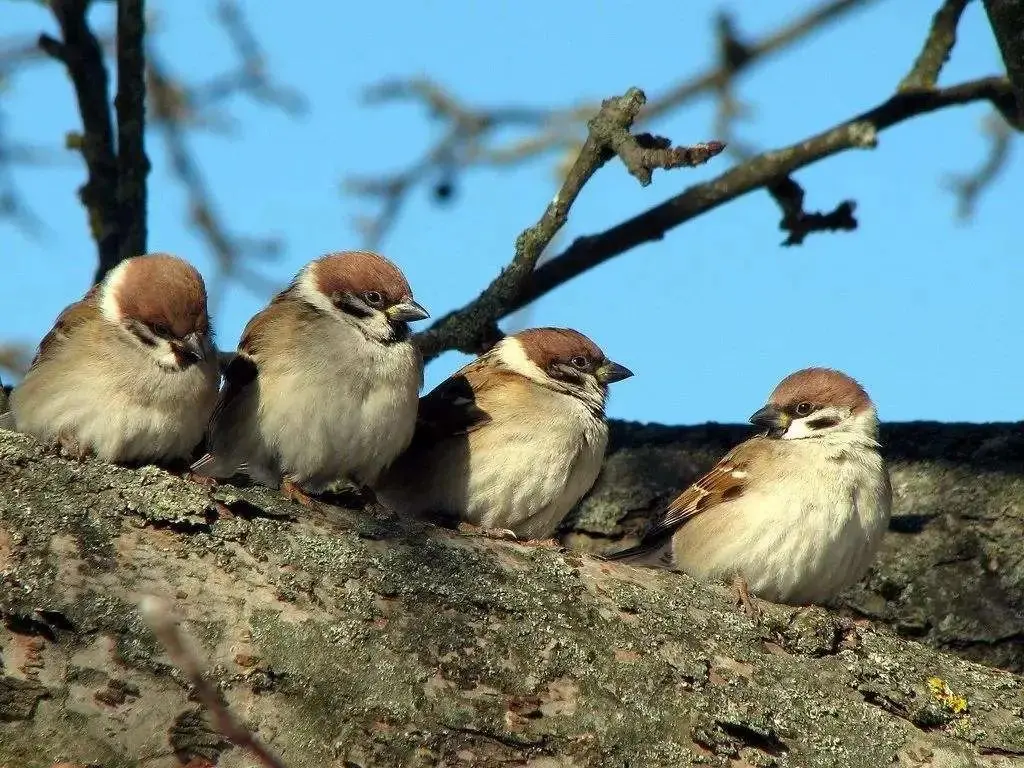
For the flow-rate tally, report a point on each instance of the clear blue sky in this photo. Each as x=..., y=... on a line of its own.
x=924, y=310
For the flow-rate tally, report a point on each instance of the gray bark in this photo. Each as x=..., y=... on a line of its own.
x=1007, y=20
x=351, y=638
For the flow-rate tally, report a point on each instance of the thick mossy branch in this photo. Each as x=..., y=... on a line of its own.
x=351, y=637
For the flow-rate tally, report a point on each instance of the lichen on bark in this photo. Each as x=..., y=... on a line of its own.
x=354, y=638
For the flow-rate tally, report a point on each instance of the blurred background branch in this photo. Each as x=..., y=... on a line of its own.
x=471, y=135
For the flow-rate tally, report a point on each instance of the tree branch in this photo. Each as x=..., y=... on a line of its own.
x=1007, y=20
x=798, y=222
x=858, y=132
x=474, y=327
x=937, y=47
x=130, y=104
x=464, y=142
x=82, y=56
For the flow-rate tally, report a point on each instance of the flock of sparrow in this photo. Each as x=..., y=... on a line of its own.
x=323, y=392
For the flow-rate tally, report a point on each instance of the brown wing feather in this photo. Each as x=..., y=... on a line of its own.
x=723, y=482
x=452, y=408
x=67, y=321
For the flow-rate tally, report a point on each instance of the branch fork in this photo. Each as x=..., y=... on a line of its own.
x=474, y=328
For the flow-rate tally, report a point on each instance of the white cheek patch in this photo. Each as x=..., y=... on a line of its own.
x=511, y=353
x=108, y=293
x=165, y=356
x=310, y=292
x=797, y=429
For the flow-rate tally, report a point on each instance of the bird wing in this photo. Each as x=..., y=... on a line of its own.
x=68, y=321
x=452, y=407
x=239, y=375
x=726, y=481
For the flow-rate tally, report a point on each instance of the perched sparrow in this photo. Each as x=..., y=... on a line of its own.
x=796, y=514
x=129, y=373
x=513, y=440
x=324, y=387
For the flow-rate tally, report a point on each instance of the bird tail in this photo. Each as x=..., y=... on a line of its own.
x=653, y=554
x=202, y=462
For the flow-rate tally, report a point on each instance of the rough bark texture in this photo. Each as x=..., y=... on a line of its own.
x=349, y=638
x=1007, y=20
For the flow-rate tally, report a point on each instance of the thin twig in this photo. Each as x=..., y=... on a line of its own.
x=232, y=254
x=130, y=104
x=937, y=47
x=474, y=328
x=163, y=625
x=861, y=131
x=798, y=222
x=969, y=187
x=464, y=141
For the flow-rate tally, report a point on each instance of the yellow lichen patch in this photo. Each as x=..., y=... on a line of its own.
x=945, y=696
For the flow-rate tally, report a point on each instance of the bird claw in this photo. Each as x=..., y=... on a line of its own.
x=204, y=480
x=69, y=447
x=502, y=534
x=291, y=491
x=745, y=601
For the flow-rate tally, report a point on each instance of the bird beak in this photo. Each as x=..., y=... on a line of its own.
x=192, y=346
x=771, y=418
x=611, y=372
x=406, y=311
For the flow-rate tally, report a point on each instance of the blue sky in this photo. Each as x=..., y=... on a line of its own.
x=923, y=309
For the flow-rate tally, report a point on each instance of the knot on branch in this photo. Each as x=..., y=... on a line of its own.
x=799, y=223
x=643, y=153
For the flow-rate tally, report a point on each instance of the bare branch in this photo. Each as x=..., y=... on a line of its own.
x=163, y=625
x=969, y=187
x=856, y=133
x=474, y=327
x=251, y=75
x=937, y=47
x=130, y=104
x=468, y=128
x=231, y=253
x=82, y=56
x=798, y=222
x=1007, y=20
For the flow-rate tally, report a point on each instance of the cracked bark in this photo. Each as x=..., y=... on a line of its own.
x=352, y=638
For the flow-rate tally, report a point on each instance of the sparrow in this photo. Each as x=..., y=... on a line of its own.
x=514, y=439
x=324, y=386
x=128, y=373
x=793, y=515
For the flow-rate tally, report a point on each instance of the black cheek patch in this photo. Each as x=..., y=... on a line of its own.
x=565, y=373
x=823, y=422
x=144, y=335
x=347, y=305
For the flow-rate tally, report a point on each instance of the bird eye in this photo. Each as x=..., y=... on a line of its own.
x=803, y=409
x=373, y=298
x=160, y=330
x=579, y=361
